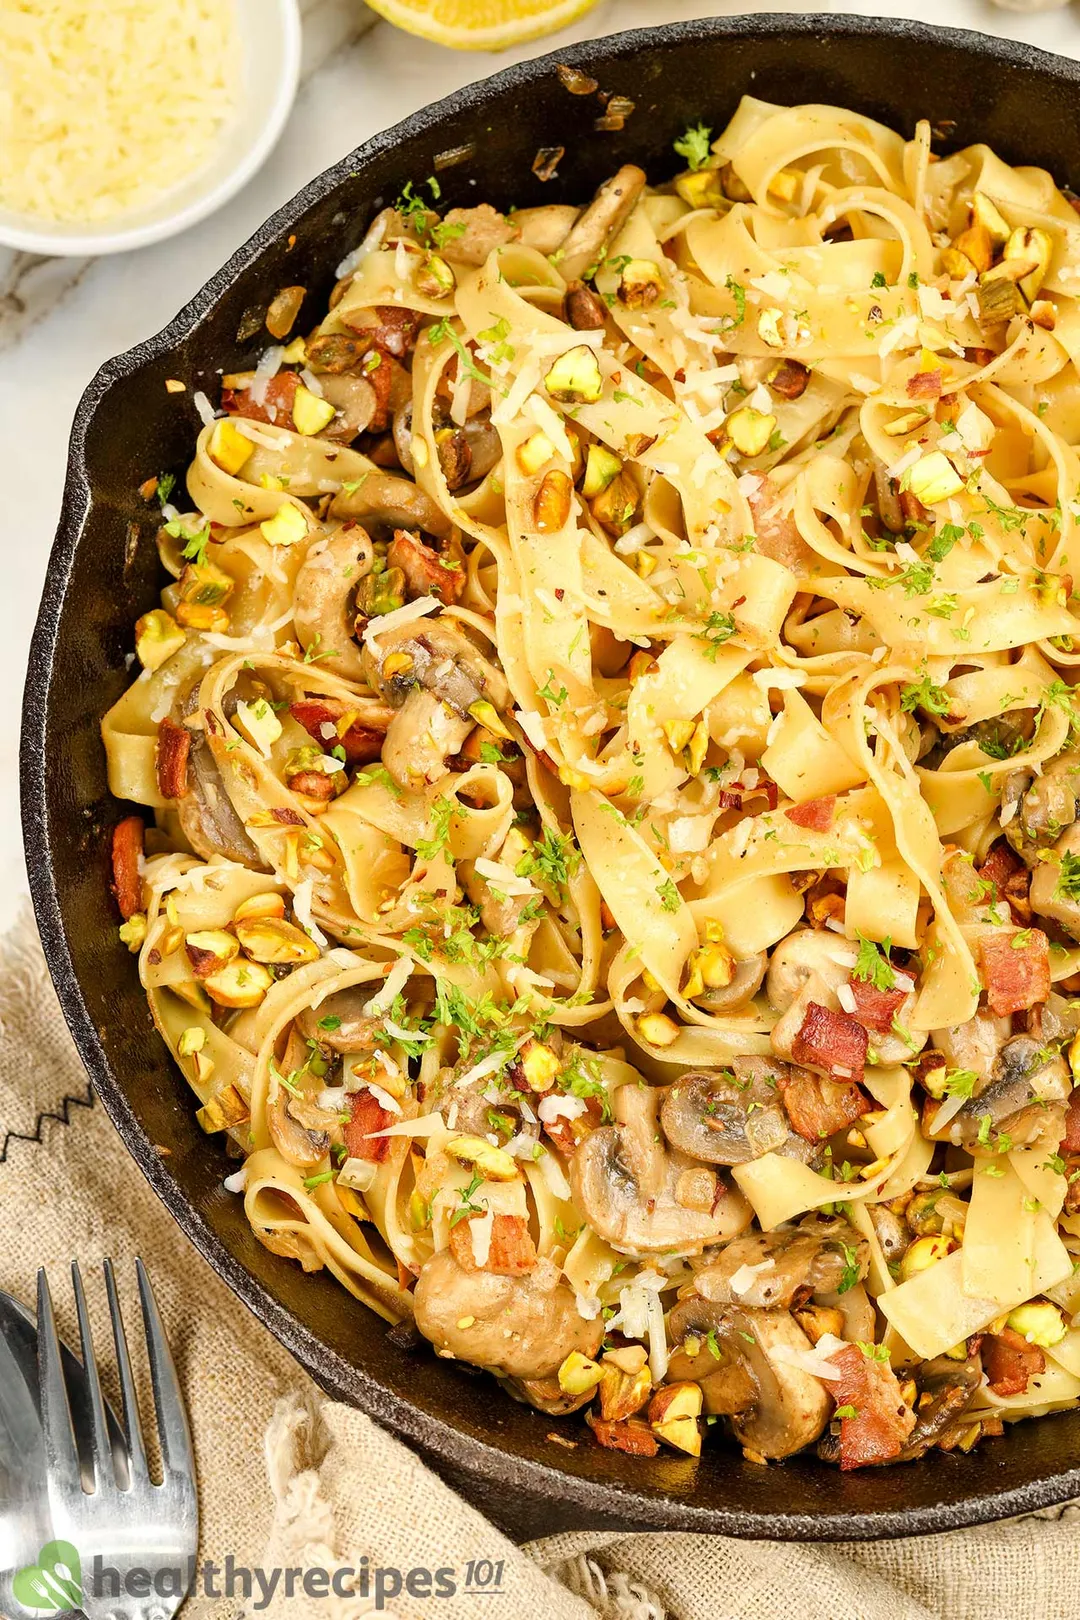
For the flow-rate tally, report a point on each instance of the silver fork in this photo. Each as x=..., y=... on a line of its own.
x=136, y=1540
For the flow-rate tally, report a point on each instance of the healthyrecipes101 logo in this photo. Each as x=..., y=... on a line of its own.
x=55, y=1583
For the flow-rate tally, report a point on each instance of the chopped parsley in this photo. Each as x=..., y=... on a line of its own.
x=961, y=1083
x=1068, y=883
x=719, y=627
x=442, y=812
x=693, y=145
x=554, y=859
x=850, y=1274
x=670, y=898
x=873, y=965
x=925, y=695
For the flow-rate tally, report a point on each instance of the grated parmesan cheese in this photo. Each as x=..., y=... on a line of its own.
x=106, y=105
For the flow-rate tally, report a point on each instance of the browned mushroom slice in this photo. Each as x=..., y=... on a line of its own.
x=706, y=1350
x=354, y=400
x=521, y=1327
x=588, y=237
x=340, y=1021
x=823, y=1255
x=206, y=814
x=729, y=1116
x=546, y=227
x=635, y=1192
x=384, y=502
x=324, y=602
x=1046, y=805
x=1025, y=1100
x=746, y=982
x=1049, y=897
x=951, y=1387
x=476, y=232
x=974, y=1044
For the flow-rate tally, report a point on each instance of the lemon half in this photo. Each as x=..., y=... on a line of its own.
x=480, y=25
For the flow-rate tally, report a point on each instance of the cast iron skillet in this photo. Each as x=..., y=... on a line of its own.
x=104, y=572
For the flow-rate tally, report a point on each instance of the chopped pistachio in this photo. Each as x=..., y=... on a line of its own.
x=750, y=430
x=578, y=1374
x=923, y=1253
x=435, y=279
x=228, y=447
x=934, y=479
x=485, y=714
x=204, y=583
x=1040, y=1322
x=241, y=984
x=224, y=1111
x=907, y=422
x=258, y=724
x=272, y=939
x=640, y=284
x=701, y=188
x=575, y=377
x=769, y=327
x=157, y=637
x=534, y=452
x=552, y=502
x=311, y=414
x=657, y=1029
x=601, y=466
x=493, y=1163
x=192, y=1040
x=986, y=213
x=540, y=1064
x=133, y=932
x=286, y=527
x=1030, y=245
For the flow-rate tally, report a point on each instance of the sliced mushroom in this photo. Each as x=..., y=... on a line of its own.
x=585, y=242
x=1024, y=1100
x=793, y=1406
x=890, y=1231
x=1046, y=805
x=384, y=502
x=626, y=1184
x=324, y=602
x=806, y=954
x=548, y=1396
x=420, y=739
x=340, y=1021
x=299, y=1128
x=206, y=814
x=856, y=1308
x=354, y=400
x=729, y=1116
x=772, y=1270
x=484, y=230
x=706, y=1350
x=546, y=227
x=441, y=660
x=951, y=1387
x=975, y=1043
x=1047, y=898
x=521, y=1327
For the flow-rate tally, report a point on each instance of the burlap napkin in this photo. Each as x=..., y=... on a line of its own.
x=291, y=1481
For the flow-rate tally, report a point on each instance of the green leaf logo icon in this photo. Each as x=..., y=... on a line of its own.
x=54, y=1584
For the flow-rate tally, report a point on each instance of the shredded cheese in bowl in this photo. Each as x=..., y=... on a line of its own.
x=106, y=105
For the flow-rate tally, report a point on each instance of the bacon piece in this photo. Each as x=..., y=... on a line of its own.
x=999, y=867
x=819, y=1108
x=396, y=330
x=426, y=574
x=171, y=760
x=127, y=848
x=1070, y=1142
x=361, y=743
x=831, y=1041
x=1015, y=970
x=876, y=1009
x=926, y=384
x=275, y=404
x=627, y=1435
x=777, y=533
x=287, y=818
x=883, y=1420
x=815, y=813
x=368, y=1114
x=1010, y=1362
x=512, y=1252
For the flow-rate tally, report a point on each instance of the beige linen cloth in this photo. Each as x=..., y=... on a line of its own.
x=290, y=1479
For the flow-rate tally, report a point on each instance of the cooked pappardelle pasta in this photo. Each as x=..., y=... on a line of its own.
x=615, y=872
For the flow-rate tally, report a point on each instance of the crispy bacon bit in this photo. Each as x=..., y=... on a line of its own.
x=171, y=763
x=127, y=848
x=1070, y=1142
x=368, y=1114
x=819, y=1108
x=815, y=813
x=393, y=331
x=927, y=1064
x=1010, y=1362
x=361, y=743
x=275, y=404
x=912, y=508
x=1011, y=880
x=926, y=384
x=512, y=1252
x=287, y=818
x=426, y=574
x=876, y=1009
x=629, y=1436
x=831, y=1041
x=1015, y=970
x=565, y=1134
x=979, y=357
x=883, y=1420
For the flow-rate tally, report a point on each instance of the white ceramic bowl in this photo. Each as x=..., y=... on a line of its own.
x=269, y=31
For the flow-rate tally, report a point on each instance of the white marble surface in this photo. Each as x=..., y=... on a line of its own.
x=60, y=319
